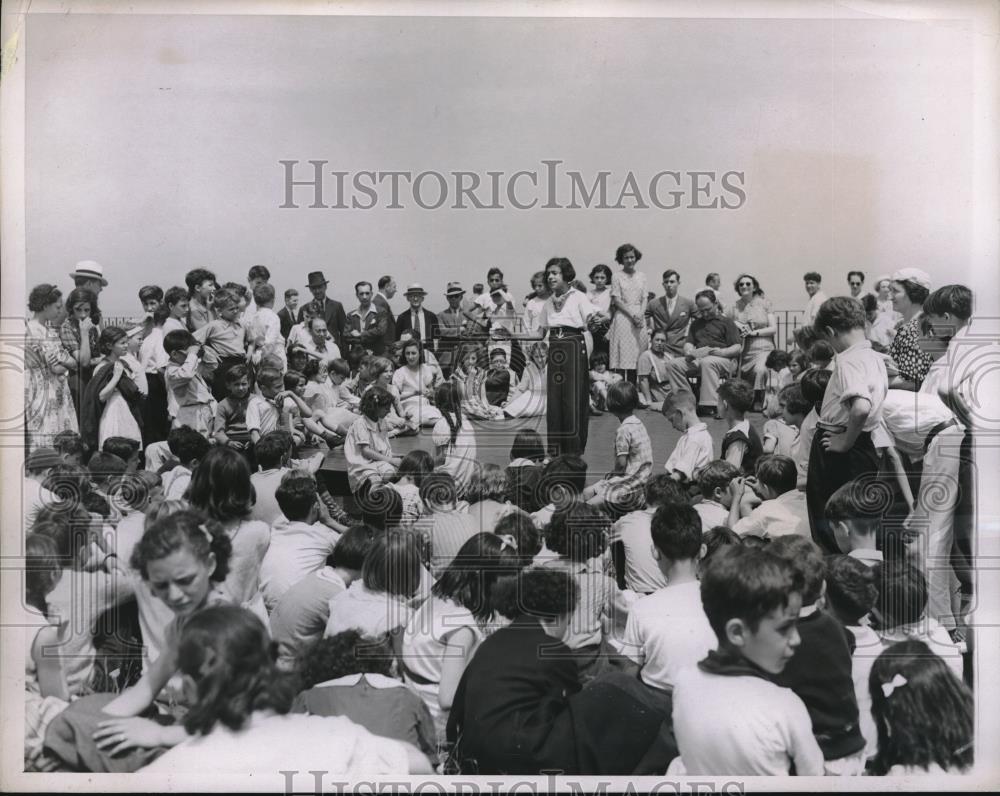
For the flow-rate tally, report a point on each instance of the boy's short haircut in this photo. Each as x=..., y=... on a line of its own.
x=173, y=295
x=291, y=292
x=661, y=489
x=263, y=295
x=715, y=539
x=812, y=276
x=869, y=302
x=902, y=594
x=272, y=361
x=860, y=503
x=567, y=471
x=150, y=293
x=438, y=489
x=235, y=373
x=821, y=351
x=676, y=532
x=805, y=556
x=488, y=482
x=738, y=394
x=293, y=379
x=683, y=400
x=952, y=299
x=498, y=352
x=813, y=384
x=804, y=337
x=776, y=360
x=122, y=447
x=352, y=547
x=196, y=276
x=598, y=358
x=579, y=532
x=778, y=472
x=382, y=508
x=791, y=396
x=69, y=443
x=340, y=367
x=135, y=488
x=383, y=282
x=717, y=474
x=747, y=584
x=104, y=466
x=225, y=298
x=850, y=587
x=270, y=377
x=178, y=340
x=296, y=495
x=623, y=397
x=841, y=313
x=187, y=444
x=258, y=272
x=272, y=448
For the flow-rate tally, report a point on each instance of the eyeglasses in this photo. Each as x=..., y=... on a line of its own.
x=854, y=284
x=746, y=284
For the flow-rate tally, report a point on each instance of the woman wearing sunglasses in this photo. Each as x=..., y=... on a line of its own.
x=754, y=318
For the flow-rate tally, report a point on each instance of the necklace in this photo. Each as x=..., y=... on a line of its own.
x=560, y=301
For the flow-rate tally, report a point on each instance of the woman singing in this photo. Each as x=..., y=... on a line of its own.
x=565, y=316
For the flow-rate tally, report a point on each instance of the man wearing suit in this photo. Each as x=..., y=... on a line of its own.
x=416, y=318
x=287, y=313
x=367, y=324
x=671, y=313
x=386, y=290
x=330, y=310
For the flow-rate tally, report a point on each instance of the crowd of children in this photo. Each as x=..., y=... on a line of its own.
x=793, y=600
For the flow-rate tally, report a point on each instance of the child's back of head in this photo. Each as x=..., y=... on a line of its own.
x=124, y=448
x=578, y=532
x=716, y=475
x=296, y=495
x=273, y=449
x=738, y=396
x=805, y=556
x=856, y=513
x=528, y=445
x=439, y=491
x=850, y=588
x=346, y=653
x=821, y=354
x=564, y=478
x=778, y=473
x=793, y=399
x=902, y=596
x=776, y=360
x=676, y=532
x=813, y=383
x=661, y=489
x=187, y=445
x=105, y=466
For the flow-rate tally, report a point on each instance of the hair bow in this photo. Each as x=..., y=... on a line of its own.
x=898, y=681
x=506, y=540
x=208, y=534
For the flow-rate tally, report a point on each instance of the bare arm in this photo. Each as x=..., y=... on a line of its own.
x=460, y=646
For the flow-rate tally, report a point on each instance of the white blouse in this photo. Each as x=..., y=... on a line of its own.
x=574, y=312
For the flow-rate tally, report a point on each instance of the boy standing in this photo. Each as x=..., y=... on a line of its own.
x=185, y=379
x=842, y=448
x=752, y=600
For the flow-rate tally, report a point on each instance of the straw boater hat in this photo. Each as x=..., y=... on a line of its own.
x=89, y=269
x=455, y=289
x=914, y=275
x=415, y=288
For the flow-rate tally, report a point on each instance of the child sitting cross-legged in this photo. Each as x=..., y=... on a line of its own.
x=821, y=671
x=667, y=630
x=741, y=444
x=693, y=450
x=622, y=489
x=782, y=507
x=752, y=600
x=301, y=539
x=716, y=484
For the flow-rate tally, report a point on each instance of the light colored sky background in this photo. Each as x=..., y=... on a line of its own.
x=154, y=145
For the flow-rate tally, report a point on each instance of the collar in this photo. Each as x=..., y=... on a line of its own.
x=357, y=311
x=743, y=425
x=374, y=680
x=731, y=664
x=858, y=346
x=866, y=554
x=696, y=427
x=809, y=610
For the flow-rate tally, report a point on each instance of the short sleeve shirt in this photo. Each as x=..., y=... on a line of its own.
x=858, y=372
x=574, y=311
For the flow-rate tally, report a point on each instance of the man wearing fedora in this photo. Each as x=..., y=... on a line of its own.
x=89, y=274
x=366, y=325
x=423, y=323
x=330, y=310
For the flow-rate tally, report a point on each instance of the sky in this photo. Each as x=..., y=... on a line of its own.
x=155, y=143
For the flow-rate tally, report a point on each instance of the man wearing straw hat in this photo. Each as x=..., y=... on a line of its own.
x=423, y=323
x=89, y=274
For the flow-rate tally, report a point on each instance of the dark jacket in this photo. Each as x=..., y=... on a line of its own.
x=404, y=322
x=92, y=406
x=336, y=320
x=287, y=321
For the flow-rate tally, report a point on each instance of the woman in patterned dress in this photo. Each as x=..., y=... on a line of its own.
x=910, y=288
x=627, y=336
x=753, y=317
x=48, y=404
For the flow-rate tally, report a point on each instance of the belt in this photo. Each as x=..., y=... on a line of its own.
x=559, y=332
x=937, y=430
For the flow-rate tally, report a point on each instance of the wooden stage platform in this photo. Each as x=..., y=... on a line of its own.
x=493, y=440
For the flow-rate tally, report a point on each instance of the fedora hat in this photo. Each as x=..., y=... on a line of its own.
x=455, y=289
x=316, y=279
x=416, y=287
x=89, y=269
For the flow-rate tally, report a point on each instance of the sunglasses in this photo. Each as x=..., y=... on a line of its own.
x=746, y=284
x=854, y=284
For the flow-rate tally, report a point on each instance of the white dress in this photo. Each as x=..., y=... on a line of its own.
x=117, y=419
x=530, y=398
x=416, y=406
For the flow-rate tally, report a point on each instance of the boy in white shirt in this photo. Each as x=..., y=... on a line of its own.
x=667, y=630
x=716, y=485
x=301, y=540
x=264, y=326
x=729, y=717
x=813, y=385
x=694, y=449
x=782, y=509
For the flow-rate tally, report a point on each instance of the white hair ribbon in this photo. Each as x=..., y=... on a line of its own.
x=896, y=682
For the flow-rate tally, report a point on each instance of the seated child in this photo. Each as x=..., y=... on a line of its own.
x=454, y=437
x=561, y=484
x=340, y=409
x=350, y=675
x=70, y=447
x=301, y=614
x=600, y=380
x=231, y=413
x=782, y=509
x=741, y=444
x=820, y=671
x=924, y=715
x=126, y=449
x=487, y=496
x=850, y=596
x=821, y=355
x=188, y=447
x=529, y=398
x=813, y=384
x=798, y=363
x=857, y=520
x=444, y=528
x=901, y=613
x=781, y=432
x=366, y=448
x=34, y=495
x=622, y=488
x=778, y=377
x=693, y=450
x=266, y=411
x=716, y=485
x=189, y=396
x=470, y=378
x=500, y=381
x=654, y=383
x=409, y=477
x=301, y=539
x=667, y=631
x=752, y=600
